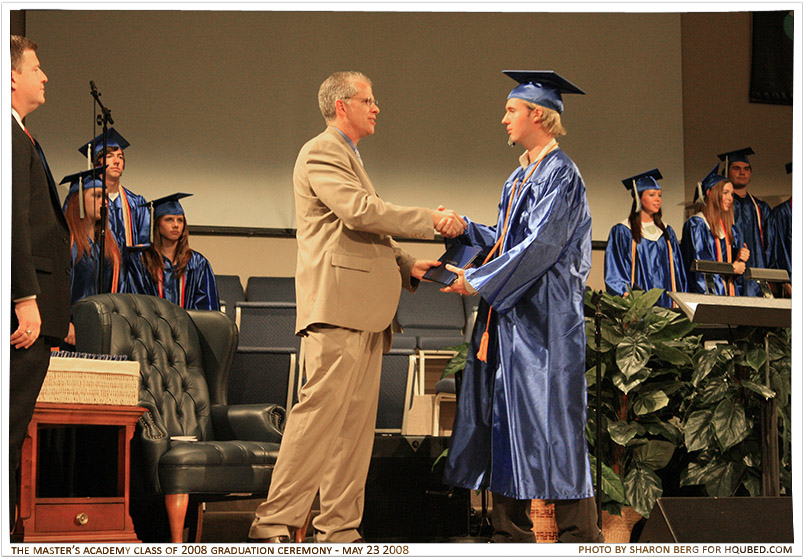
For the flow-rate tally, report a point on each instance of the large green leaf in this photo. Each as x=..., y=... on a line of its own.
x=729, y=423
x=611, y=485
x=457, y=362
x=755, y=358
x=642, y=488
x=624, y=384
x=712, y=391
x=705, y=360
x=676, y=325
x=622, y=431
x=640, y=303
x=633, y=353
x=666, y=430
x=698, y=433
x=764, y=391
x=714, y=471
x=653, y=454
x=645, y=403
x=671, y=354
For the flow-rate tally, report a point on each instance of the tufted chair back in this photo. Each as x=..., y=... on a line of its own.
x=163, y=339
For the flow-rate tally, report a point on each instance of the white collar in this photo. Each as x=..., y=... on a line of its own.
x=16, y=116
x=525, y=161
x=649, y=230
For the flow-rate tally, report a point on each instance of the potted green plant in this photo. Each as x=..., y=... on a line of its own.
x=646, y=371
x=723, y=413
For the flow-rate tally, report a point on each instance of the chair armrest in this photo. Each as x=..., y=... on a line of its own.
x=255, y=423
x=150, y=442
x=218, y=336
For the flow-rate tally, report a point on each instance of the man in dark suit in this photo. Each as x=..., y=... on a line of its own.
x=40, y=256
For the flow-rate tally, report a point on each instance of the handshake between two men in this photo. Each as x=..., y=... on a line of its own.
x=448, y=224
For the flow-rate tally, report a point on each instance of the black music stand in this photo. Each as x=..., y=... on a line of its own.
x=747, y=311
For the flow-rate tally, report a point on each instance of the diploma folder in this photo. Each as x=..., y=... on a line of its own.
x=458, y=255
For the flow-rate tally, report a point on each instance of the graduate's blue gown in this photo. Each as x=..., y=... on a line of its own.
x=754, y=236
x=697, y=243
x=83, y=281
x=780, y=232
x=519, y=426
x=200, y=289
x=652, y=262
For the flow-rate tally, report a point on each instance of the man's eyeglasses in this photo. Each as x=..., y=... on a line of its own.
x=370, y=101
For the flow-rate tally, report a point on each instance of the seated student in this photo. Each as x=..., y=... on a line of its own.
x=780, y=229
x=83, y=211
x=643, y=252
x=711, y=235
x=128, y=215
x=168, y=268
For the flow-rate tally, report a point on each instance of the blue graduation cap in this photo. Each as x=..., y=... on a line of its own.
x=709, y=180
x=543, y=88
x=113, y=139
x=81, y=181
x=738, y=156
x=639, y=183
x=167, y=205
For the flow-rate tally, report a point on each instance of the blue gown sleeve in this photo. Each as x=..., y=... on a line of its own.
x=617, y=265
x=138, y=281
x=202, y=290
x=694, y=247
x=550, y=222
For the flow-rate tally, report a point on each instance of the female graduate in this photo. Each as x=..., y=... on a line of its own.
x=168, y=268
x=642, y=252
x=711, y=235
x=83, y=211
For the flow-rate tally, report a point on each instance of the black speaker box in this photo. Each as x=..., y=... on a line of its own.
x=713, y=520
x=406, y=500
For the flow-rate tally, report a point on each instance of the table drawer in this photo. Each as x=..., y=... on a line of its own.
x=80, y=517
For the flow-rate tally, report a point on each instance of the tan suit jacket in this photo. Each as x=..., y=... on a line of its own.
x=349, y=271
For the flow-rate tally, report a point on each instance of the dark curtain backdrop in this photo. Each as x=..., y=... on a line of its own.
x=772, y=58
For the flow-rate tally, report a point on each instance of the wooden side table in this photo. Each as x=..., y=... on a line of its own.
x=84, y=519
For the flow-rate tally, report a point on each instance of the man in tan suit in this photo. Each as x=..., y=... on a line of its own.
x=349, y=272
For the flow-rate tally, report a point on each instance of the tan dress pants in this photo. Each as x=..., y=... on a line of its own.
x=328, y=438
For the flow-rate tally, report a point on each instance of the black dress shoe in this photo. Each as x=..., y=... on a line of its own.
x=281, y=539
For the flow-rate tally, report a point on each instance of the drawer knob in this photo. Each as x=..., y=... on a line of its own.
x=82, y=519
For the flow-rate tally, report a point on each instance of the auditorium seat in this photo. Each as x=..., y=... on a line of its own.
x=437, y=321
x=266, y=365
x=271, y=289
x=230, y=292
x=396, y=389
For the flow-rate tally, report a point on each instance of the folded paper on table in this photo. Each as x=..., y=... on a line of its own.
x=458, y=255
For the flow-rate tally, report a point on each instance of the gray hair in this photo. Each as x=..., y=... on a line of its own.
x=339, y=85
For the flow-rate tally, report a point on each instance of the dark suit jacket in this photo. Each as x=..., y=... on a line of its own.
x=40, y=238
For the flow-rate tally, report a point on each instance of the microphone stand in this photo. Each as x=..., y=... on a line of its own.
x=104, y=119
x=596, y=297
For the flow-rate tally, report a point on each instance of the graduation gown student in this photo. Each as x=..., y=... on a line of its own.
x=780, y=228
x=521, y=414
x=711, y=235
x=129, y=218
x=751, y=215
x=82, y=211
x=168, y=268
x=642, y=252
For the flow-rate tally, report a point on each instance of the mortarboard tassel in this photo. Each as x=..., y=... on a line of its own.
x=636, y=197
x=700, y=191
x=81, y=211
